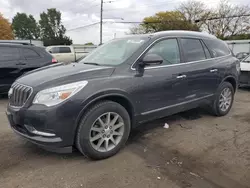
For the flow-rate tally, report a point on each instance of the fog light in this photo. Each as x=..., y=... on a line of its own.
x=36, y=132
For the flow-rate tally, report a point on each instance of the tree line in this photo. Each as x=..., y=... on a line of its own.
x=49, y=28
x=226, y=21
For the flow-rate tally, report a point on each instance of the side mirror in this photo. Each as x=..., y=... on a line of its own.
x=152, y=59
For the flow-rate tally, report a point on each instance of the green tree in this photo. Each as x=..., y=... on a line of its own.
x=163, y=21
x=5, y=29
x=25, y=27
x=89, y=43
x=52, y=29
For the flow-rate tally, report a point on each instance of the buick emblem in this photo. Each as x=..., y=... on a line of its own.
x=10, y=92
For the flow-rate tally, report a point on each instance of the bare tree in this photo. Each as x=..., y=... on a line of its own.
x=228, y=20
x=194, y=10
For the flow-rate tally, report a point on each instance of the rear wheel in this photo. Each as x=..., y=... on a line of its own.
x=103, y=130
x=223, y=99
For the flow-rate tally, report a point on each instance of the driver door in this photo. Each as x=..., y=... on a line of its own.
x=163, y=86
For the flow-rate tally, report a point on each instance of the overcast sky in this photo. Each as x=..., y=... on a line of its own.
x=78, y=13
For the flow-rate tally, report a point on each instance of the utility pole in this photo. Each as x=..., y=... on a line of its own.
x=101, y=22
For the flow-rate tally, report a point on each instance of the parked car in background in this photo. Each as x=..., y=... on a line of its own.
x=245, y=72
x=239, y=47
x=242, y=55
x=69, y=53
x=19, y=58
x=94, y=104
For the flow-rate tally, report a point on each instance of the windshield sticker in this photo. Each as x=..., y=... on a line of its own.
x=135, y=41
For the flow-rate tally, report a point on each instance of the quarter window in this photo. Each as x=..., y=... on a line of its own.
x=9, y=54
x=193, y=50
x=30, y=54
x=218, y=47
x=169, y=51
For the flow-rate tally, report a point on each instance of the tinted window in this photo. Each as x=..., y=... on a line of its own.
x=193, y=50
x=168, y=50
x=54, y=50
x=218, y=48
x=8, y=54
x=64, y=50
x=29, y=54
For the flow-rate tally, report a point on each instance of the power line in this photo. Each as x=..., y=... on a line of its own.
x=222, y=17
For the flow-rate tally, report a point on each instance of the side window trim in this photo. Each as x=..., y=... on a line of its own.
x=205, y=46
x=133, y=66
x=152, y=45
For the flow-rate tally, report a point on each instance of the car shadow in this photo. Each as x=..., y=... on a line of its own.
x=149, y=127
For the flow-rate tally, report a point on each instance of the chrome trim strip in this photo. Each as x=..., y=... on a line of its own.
x=17, y=107
x=36, y=138
x=174, y=105
x=200, y=38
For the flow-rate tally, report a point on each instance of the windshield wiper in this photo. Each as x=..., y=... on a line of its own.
x=92, y=64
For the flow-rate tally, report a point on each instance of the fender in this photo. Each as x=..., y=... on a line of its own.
x=101, y=95
x=231, y=77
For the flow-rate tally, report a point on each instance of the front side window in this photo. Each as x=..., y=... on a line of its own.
x=64, y=50
x=116, y=51
x=193, y=50
x=9, y=54
x=169, y=51
x=29, y=54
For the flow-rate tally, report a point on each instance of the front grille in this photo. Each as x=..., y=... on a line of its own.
x=20, y=94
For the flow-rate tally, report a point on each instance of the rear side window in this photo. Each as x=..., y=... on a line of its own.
x=217, y=47
x=54, y=50
x=9, y=54
x=64, y=50
x=193, y=50
x=29, y=54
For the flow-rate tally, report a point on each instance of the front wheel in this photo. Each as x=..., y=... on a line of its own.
x=223, y=99
x=103, y=130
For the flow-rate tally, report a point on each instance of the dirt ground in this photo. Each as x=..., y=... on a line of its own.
x=198, y=150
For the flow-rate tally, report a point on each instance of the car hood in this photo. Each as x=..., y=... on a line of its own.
x=64, y=73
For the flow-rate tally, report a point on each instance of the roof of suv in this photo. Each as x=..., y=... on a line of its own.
x=175, y=33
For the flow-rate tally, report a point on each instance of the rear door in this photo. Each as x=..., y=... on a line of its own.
x=31, y=60
x=203, y=77
x=9, y=68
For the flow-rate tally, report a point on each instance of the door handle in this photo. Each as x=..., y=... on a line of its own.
x=181, y=76
x=213, y=70
x=21, y=64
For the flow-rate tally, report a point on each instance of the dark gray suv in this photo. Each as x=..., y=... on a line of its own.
x=94, y=104
x=19, y=58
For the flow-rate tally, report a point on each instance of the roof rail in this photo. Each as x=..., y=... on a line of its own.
x=20, y=43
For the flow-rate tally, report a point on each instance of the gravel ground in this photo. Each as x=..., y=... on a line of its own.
x=198, y=150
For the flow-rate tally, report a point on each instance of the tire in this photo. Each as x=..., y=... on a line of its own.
x=85, y=133
x=215, y=108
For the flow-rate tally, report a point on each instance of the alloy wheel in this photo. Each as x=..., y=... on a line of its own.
x=106, y=132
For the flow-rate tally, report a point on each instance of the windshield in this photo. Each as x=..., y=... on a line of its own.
x=115, y=52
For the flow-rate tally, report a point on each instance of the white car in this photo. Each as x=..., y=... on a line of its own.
x=69, y=53
x=245, y=72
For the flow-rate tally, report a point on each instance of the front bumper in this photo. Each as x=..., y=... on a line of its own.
x=50, y=128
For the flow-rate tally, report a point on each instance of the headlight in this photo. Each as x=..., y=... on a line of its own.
x=55, y=95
